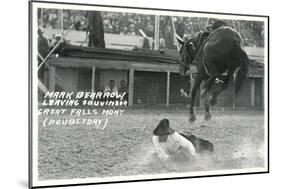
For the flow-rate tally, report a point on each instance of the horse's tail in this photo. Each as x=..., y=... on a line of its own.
x=242, y=72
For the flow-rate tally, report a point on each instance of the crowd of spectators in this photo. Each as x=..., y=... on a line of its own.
x=130, y=23
x=118, y=23
x=251, y=31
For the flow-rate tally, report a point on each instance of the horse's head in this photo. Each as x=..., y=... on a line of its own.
x=186, y=51
x=189, y=49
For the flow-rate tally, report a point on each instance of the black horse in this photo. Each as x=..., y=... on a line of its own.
x=214, y=53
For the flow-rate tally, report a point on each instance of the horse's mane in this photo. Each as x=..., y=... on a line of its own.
x=200, y=38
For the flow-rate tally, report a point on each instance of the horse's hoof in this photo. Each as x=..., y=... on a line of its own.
x=192, y=118
x=207, y=116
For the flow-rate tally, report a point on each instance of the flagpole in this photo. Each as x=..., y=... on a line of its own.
x=42, y=14
x=61, y=21
x=157, y=32
x=176, y=36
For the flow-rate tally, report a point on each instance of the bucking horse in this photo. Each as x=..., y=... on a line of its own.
x=215, y=54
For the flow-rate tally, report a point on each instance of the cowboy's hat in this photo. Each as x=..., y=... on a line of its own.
x=163, y=128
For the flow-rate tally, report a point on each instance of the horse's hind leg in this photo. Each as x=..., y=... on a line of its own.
x=207, y=85
x=221, y=86
x=213, y=75
x=212, y=99
x=207, y=115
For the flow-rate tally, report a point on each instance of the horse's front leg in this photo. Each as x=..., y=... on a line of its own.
x=194, y=90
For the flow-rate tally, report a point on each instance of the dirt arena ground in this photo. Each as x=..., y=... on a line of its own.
x=124, y=147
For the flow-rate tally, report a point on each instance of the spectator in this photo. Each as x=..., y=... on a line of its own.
x=149, y=30
x=58, y=39
x=180, y=27
x=124, y=31
x=123, y=89
x=43, y=49
x=111, y=87
x=43, y=45
x=162, y=41
x=77, y=25
x=131, y=30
